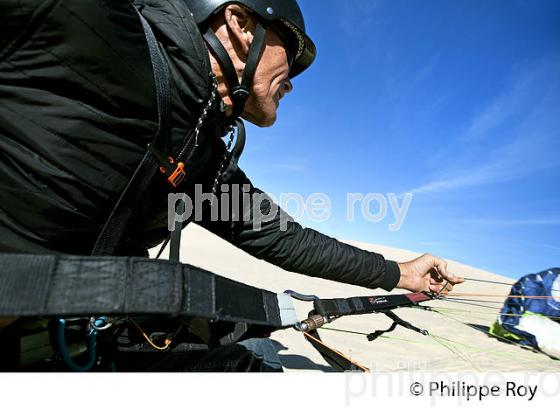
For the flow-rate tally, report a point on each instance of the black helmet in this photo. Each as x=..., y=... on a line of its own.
x=285, y=17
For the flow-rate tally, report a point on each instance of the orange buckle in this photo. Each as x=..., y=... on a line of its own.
x=174, y=175
x=177, y=176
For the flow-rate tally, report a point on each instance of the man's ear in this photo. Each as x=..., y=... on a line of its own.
x=241, y=25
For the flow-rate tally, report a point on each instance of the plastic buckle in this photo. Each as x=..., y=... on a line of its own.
x=175, y=173
x=241, y=92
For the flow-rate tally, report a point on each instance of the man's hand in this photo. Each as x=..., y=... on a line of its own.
x=427, y=273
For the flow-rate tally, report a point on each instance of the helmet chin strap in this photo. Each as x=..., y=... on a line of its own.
x=239, y=91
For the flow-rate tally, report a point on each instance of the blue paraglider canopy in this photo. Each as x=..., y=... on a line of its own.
x=530, y=315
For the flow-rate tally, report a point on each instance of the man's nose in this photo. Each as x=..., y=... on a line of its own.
x=288, y=87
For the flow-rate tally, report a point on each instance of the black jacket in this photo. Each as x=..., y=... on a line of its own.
x=77, y=109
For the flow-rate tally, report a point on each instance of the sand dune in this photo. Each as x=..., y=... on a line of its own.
x=457, y=341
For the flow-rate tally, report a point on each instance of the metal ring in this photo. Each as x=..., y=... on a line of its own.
x=92, y=324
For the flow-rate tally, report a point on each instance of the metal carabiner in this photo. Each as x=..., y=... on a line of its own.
x=65, y=354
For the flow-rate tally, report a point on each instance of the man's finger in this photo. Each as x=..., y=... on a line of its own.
x=440, y=288
x=441, y=266
x=447, y=288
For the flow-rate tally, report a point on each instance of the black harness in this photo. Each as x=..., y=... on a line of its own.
x=110, y=288
x=103, y=288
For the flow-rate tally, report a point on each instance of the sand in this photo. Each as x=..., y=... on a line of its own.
x=457, y=341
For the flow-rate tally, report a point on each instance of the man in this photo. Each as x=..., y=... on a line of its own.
x=83, y=91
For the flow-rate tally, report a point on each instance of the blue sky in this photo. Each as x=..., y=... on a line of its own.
x=457, y=102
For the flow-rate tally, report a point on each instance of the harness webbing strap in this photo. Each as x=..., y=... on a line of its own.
x=334, y=308
x=364, y=304
x=116, y=223
x=175, y=237
x=54, y=285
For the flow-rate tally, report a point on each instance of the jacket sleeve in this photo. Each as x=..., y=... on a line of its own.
x=259, y=227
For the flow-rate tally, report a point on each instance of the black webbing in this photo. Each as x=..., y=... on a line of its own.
x=175, y=237
x=223, y=58
x=54, y=285
x=397, y=321
x=254, y=56
x=360, y=305
x=374, y=335
x=162, y=82
x=138, y=184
